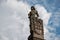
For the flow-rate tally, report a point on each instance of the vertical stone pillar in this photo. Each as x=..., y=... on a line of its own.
x=36, y=25
x=38, y=32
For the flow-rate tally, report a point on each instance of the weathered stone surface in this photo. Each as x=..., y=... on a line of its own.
x=36, y=26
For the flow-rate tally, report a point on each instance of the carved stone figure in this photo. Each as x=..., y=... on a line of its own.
x=32, y=16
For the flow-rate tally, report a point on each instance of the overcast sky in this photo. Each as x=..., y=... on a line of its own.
x=14, y=22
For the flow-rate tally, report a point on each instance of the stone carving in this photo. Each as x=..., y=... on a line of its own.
x=36, y=25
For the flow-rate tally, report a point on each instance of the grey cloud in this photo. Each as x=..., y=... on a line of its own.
x=11, y=25
x=1, y=1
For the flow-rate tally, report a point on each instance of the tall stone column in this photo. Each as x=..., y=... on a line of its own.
x=38, y=32
x=36, y=25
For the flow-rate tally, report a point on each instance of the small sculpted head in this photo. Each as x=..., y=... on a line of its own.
x=32, y=8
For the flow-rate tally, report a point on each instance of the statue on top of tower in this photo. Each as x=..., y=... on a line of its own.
x=32, y=16
x=36, y=25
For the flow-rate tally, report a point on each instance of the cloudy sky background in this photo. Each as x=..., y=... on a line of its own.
x=14, y=22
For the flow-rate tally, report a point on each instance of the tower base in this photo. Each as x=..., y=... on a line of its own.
x=34, y=38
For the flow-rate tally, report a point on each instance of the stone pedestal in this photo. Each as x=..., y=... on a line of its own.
x=38, y=32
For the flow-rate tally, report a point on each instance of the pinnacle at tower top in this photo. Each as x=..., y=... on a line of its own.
x=36, y=25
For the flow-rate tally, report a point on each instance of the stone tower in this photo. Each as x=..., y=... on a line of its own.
x=36, y=26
